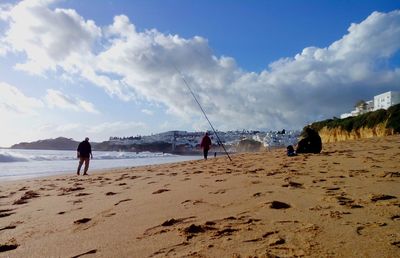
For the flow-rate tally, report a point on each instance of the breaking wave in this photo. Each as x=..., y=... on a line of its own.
x=11, y=158
x=8, y=155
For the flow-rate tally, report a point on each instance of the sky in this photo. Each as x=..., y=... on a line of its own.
x=94, y=68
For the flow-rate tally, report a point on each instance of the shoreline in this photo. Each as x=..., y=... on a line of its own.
x=340, y=203
x=42, y=168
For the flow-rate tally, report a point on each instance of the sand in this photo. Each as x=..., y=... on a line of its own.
x=343, y=202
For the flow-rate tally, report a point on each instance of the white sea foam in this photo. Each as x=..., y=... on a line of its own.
x=23, y=164
x=12, y=155
x=7, y=157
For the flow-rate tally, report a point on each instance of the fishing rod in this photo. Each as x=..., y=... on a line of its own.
x=202, y=110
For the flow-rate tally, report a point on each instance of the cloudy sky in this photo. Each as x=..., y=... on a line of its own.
x=94, y=68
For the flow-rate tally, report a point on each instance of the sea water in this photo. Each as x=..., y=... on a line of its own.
x=23, y=164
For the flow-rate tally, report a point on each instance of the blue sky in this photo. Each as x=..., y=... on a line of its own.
x=106, y=68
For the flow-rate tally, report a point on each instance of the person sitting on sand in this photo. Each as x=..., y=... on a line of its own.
x=311, y=143
x=205, y=144
x=84, y=154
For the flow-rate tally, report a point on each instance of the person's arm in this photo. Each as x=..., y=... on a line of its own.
x=78, y=151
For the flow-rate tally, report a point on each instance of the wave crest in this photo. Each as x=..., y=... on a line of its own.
x=12, y=158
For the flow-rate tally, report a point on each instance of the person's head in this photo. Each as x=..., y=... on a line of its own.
x=87, y=139
x=206, y=134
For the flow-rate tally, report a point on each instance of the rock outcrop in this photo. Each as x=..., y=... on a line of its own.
x=339, y=134
x=248, y=145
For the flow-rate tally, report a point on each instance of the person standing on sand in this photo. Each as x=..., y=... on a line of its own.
x=84, y=154
x=205, y=144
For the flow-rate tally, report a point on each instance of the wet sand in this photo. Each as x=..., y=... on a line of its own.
x=343, y=202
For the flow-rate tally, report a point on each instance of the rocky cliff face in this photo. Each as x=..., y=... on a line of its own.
x=338, y=134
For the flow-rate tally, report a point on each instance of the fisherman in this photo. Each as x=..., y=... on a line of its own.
x=84, y=154
x=205, y=144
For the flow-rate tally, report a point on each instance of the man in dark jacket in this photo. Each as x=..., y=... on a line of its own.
x=205, y=144
x=84, y=153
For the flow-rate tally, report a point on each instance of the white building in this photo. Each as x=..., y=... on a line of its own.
x=386, y=100
x=381, y=101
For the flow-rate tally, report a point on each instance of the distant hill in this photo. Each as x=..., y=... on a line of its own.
x=60, y=143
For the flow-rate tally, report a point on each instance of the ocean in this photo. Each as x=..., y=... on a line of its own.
x=26, y=164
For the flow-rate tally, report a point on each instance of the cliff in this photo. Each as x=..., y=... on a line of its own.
x=338, y=134
x=378, y=123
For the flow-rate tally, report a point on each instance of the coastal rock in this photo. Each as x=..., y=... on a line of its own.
x=249, y=145
x=338, y=134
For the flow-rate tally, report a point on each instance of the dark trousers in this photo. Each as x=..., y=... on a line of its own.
x=82, y=160
x=205, y=153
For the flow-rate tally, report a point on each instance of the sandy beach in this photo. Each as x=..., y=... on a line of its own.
x=343, y=202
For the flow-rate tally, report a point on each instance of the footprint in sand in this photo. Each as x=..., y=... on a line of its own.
x=257, y=194
x=279, y=205
x=161, y=191
x=220, y=180
x=11, y=226
x=6, y=213
x=85, y=253
x=125, y=200
x=110, y=193
x=220, y=191
x=9, y=245
x=195, y=202
x=82, y=194
x=395, y=243
x=293, y=184
x=82, y=221
x=109, y=214
x=262, y=237
x=360, y=228
x=381, y=197
x=27, y=195
x=65, y=191
x=395, y=218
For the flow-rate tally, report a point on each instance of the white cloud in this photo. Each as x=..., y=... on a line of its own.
x=57, y=99
x=95, y=131
x=47, y=37
x=119, y=128
x=314, y=84
x=13, y=101
x=4, y=11
x=148, y=112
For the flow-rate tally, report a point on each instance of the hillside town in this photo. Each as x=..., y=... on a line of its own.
x=231, y=139
x=381, y=101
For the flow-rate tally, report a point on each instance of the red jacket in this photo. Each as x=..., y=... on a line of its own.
x=205, y=142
